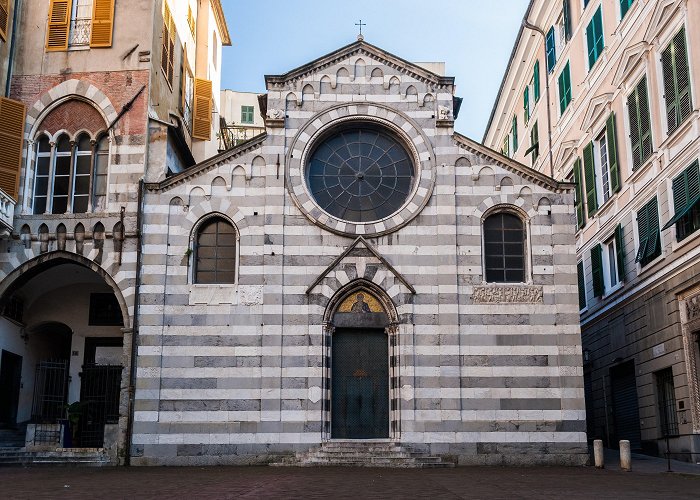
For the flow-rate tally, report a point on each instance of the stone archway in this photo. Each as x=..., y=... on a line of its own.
x=359, y=374
x=61, y=288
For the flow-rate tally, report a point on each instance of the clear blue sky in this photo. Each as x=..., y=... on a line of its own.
x=473, y=37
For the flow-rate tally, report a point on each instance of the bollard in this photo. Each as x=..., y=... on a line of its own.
x=625, y=455
x=598, y=454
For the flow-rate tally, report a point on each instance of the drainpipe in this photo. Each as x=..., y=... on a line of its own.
x=539, y=30
x=11, y=58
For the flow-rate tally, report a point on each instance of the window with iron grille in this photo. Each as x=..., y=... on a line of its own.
x=215, y=252
x=666, y=396
x=504, y=248
x=14, y=309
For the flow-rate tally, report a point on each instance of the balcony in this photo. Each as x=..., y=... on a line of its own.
x=80, y=30
x=7, y=214
x=231, y=135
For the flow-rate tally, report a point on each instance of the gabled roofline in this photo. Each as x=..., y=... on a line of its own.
x=208, y=164
x=221, y=22
x=507, y=70
x=516, y=167
x=328, y=59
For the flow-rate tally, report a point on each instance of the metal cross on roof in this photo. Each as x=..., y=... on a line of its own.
x=360, y=24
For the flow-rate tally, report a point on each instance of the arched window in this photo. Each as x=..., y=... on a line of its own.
x=504, y=248
x=68, y=173
x=215, y=252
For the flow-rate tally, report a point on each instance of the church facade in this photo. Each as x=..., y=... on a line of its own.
x=358, y=272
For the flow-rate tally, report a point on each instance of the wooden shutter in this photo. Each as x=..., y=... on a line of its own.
x=644, y=120
x=580, y=215
x=635, y=131
x=590, y=43
x=613, y=164
x=654, y=235
x=58, y=25
x=667, y=68
x=102, y=23
x=12, y=116
x=589, y=174
x=581, y=286
x=551, y=50
x=526, y=104
x=597, y=270
x=536, y=80
x=567, y=20
x=624, y=7
x=620, y=252
x=4, y=18
x=562, y=94
x=201, y=127
x=682, y=71
x=642, y=229
x=515, y=134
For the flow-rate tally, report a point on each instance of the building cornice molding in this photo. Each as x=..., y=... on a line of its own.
x=221, y=22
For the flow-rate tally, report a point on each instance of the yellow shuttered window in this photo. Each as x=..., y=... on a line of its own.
x=4, y=18
x=201, y=122
x=167, y=60
x=58, y=25
x=12, y=114
x=102, y=23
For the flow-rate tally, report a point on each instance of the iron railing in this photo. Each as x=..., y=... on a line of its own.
x=80, y=30
x=99, y=395
x=231, y=136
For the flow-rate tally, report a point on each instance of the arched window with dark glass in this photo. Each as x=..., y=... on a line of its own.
x=42, y=175
x=61, y=176
x=81, y=174
x=504, y=248
x=215, y=252
x=99, y=188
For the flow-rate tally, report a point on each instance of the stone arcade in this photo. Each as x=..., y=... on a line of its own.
x=358, y=272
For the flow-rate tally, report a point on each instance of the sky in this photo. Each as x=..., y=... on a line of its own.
x=473, y=37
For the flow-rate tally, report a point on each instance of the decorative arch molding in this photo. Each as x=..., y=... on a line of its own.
x=515, y=206
x=207, y=217
x=361, y=285
x=216, y=207
x=64, y=91
x=32, y=268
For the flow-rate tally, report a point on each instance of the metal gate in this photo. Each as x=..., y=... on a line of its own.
x=625, y=405
x=359, y=384
x=99, y=395
x=50, y=391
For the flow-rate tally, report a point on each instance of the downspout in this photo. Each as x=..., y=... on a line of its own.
x=539, y=30
x=135, y=323
x=11, y=58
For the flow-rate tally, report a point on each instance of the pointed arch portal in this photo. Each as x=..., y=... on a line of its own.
x=361, y=321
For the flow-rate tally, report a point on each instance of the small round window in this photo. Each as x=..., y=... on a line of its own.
x=360, y=174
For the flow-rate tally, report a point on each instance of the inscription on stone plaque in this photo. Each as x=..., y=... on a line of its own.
x=508, y=294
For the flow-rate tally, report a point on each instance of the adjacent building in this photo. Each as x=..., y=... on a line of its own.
x=240, y=118
x=604, y=93
x=115, y=93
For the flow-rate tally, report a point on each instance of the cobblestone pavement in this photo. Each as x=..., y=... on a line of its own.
x=330, y=482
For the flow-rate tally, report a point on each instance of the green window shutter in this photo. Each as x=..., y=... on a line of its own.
x=686, y=194
x=594, y=37
x=676, y=76
x=613, y=164
x=515, y=134
x=624, y=7
x=670, y=96
x=581, y=286
x=567, y=20
x=536, y=80
x=534, y=142
x=620, y=251
x=685, y=105
x=589, y=175
x=680, y=192
x=564, y=88
x=551, y=50
x=642, y=229
x=597, y=270
x=526, y=104
x=505, y=150
x=654, y=235
x=580, y=216
x=640, y=124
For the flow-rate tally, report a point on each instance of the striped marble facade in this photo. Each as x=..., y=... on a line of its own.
x=240, y=373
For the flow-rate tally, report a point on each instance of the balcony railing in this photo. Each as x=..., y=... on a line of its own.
x=231, y=136
x=7, y=213
x=80, y=30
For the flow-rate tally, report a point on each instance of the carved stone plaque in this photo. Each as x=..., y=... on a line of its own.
x=515, y=294
x=250, y=295
x=693, y=307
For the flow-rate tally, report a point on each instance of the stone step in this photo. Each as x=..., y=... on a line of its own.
x=14, y=456
x=357, y=455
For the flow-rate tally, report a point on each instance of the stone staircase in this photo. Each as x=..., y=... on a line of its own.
x=95, y=457
x=364, y=454
x=13, y=437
